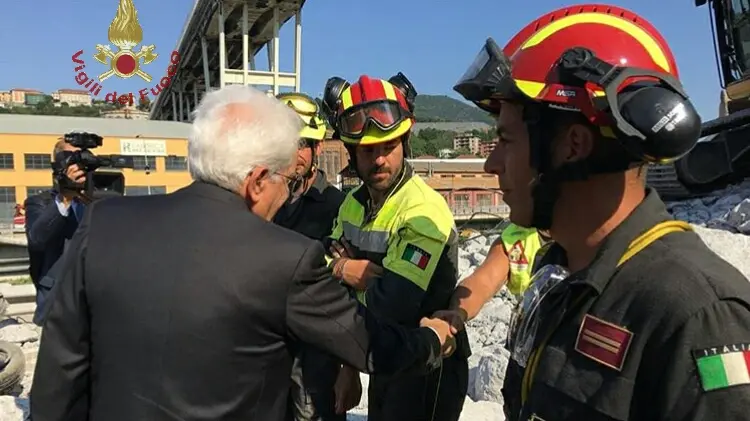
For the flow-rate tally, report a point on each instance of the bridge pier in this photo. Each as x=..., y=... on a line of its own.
x=226, y=35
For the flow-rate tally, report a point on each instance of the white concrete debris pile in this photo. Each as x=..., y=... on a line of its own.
x=727, y=209
x=15, y=407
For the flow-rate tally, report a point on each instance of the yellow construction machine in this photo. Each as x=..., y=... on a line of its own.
x=722, y=157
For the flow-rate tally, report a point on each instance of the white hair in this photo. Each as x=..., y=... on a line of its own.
x=236, y=129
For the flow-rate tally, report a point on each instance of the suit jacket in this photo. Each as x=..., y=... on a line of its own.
x=46, y=232
x=187, y=307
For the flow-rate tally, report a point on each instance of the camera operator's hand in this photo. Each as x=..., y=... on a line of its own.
x=77, y=176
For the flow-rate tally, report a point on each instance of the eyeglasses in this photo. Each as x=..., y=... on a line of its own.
x=294, y=184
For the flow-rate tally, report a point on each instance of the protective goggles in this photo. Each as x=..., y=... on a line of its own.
x=525, y=321
x=488, y=77
x=383, y=114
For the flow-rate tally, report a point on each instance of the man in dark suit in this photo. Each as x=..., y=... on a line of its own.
x=162, y=313
x=51, y=219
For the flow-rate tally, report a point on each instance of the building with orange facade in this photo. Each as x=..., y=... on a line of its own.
x=158, y=148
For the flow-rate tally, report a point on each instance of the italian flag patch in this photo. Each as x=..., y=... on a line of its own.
x=723, y=366
x=416, y=256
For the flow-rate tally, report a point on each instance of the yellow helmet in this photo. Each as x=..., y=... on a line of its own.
x=307, y=109
x=371, y=110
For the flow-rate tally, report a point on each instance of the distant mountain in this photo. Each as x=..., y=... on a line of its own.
x=442, y=108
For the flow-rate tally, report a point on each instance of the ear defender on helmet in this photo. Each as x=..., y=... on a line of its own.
x=331, y=97
x=653, y=117
x=404, y=85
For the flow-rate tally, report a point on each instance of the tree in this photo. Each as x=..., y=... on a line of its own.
x=144, y=104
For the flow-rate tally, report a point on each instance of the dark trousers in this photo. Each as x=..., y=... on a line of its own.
x=437, y=396
x=313, y=376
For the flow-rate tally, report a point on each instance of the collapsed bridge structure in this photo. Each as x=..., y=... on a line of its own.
x=218, y=45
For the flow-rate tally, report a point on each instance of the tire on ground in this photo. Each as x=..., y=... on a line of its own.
x=12, y=366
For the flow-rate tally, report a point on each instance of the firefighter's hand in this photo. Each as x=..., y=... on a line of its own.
x=348, y=389
x=443, y=331
x=357, y=273
x=341, y=248
x=456, y=318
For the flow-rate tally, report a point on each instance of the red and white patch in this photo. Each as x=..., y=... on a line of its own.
x=603, y=342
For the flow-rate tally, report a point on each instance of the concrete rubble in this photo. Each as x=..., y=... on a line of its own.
x=721, y=219
x=15, y=407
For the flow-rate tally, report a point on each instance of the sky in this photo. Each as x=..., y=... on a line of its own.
x=431, y=41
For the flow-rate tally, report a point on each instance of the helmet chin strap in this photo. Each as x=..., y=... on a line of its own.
x=546, y=186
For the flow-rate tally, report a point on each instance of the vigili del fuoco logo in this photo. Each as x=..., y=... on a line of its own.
x=125, y=33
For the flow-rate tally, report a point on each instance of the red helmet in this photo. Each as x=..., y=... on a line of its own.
x=371, y=111
x=615, y=35
x=583, y=58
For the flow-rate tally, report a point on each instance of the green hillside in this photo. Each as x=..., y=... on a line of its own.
x=436, y=108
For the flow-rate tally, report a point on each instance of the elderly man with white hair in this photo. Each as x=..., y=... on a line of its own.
x=190, y=305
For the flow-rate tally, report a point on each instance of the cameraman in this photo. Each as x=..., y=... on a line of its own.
x=51, y=219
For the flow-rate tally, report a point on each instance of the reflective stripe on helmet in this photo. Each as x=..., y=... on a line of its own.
x=649, y=43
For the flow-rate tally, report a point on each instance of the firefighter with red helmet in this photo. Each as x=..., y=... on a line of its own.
x=394, y=244
x=629, y=316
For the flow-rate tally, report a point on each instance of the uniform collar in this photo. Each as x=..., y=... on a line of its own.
x=319, y=185
x=363, y=195
x=648, y=213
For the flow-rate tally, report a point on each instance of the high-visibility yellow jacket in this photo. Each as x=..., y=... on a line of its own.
x=522, y=245
x=413, y=237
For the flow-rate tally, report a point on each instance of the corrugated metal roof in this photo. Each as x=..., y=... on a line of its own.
x=106, y=127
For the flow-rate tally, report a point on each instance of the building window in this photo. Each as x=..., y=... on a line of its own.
x=145, y=190
x=6, y=161
x=468, y=176
x=144, y=163
x=31, y=191
x=37, y=161
x=175, y=163
x=446, y=175
x=330, y=162
x=484, y=200
x=461, y=200
x=8, y=195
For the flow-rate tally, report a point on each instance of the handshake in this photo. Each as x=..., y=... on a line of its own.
x=446, y=324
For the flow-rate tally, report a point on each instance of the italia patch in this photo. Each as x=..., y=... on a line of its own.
x=723, y=366
x=416, y=256
x=603, y=342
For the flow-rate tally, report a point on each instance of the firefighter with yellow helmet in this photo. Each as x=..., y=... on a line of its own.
x=312, y=215
x=394, y=243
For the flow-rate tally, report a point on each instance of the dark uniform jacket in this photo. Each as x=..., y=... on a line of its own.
x=664, y=337
x=163, y=314
x=313, y=214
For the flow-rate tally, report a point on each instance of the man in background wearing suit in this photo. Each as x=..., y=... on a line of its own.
x=51, y=219
x=163, y=314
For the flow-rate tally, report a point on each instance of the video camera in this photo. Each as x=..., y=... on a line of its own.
x=98, y=184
